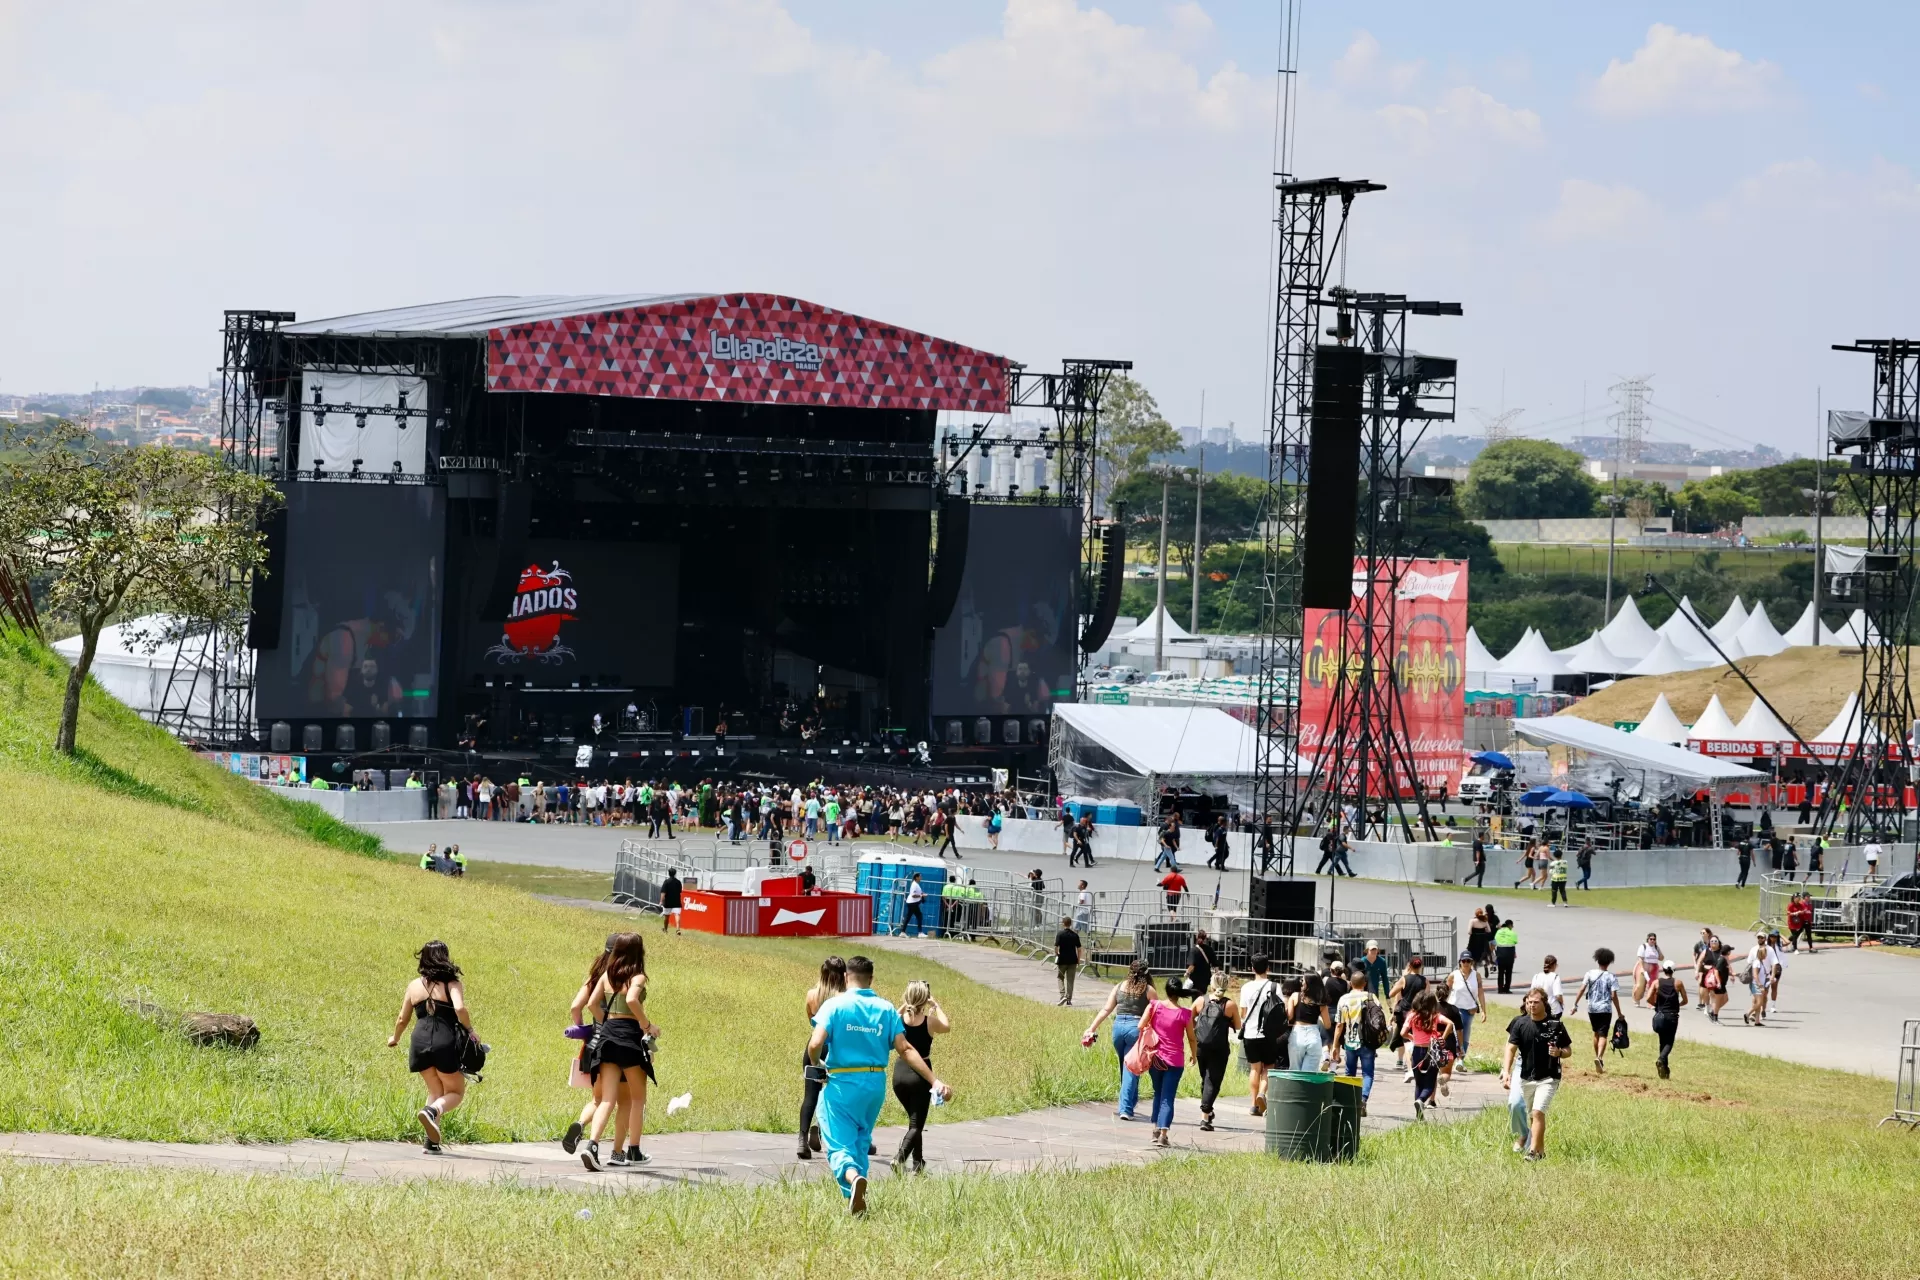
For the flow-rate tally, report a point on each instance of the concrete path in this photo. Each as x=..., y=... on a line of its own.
x=1079, y=1137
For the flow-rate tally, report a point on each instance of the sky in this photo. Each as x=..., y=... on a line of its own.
x=1710, y=194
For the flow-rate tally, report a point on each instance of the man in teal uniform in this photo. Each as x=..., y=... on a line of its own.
x=852, y=1035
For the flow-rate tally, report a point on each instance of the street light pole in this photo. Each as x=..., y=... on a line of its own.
x=1613, y=511
x=1193, y=567
x=1160, y=595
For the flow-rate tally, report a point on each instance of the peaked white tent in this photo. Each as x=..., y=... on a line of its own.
x=1855, y=632
x=1757, y=636
x=1677, y=629
x=1806, y=631
x=1532, y=657
x=1628, y=635
x=1667, y=658
x=1846, y=726
x=1660, y=724
x=1714, y=724
x=1483, y=669
x=1761, y=725
x=1145, y=631
x=1730, y=622
x=1592, y=657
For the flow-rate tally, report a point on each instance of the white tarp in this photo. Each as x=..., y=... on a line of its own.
x=1714, y=724
x=1628, y=635
x=1629, y=751
x=1844, y=559
x=335, y=440
x=1166, y=741
x=1845, y=426
x=1145, y=631
x=1660, y=724
x=1730, y=622
x=1757, y=635
x=1684, y=635
x=135, y=660
x=1483, y=669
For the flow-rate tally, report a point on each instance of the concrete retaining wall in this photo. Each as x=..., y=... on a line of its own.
x=1630, y=869
x=1127, y=844
x=364, y=806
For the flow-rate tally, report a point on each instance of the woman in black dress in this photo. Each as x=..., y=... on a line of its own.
x=924, y=1019
x=437, y=1003
x=623, y=1050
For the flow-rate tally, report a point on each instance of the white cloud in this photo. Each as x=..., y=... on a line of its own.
x=1463, y=115
x=1591, y=211
x=1191, y=25
x=1676, y=71
x=1363, y=67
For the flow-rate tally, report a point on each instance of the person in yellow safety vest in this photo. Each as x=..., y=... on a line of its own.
x=459, y=859
x=427, y=859
x=319, y=784
x=413, y=782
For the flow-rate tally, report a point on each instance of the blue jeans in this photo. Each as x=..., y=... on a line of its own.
x=1167, y=858
x=1360, y=1063
x=1465, y=1018
x=1166, y=1083
x=1126, y=1029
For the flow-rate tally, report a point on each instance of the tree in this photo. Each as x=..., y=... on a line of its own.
x=1527, y=480
x=1130, y=430
x=1229, y=510
x=137, y=531
x=1712, y=504
x=178, y=399
x=1437, y=529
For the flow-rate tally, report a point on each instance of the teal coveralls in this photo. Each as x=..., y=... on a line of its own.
x=861, y=1028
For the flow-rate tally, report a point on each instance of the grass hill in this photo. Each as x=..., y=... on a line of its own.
x=1806, y=685
x=138, y=873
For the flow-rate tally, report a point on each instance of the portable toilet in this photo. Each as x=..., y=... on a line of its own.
x=884, y=878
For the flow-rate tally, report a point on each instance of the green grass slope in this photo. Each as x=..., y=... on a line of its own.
x=216, y=897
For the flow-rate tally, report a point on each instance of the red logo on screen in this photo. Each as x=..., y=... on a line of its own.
x=544, y=599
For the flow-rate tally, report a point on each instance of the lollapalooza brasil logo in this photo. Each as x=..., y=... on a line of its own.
x=727, y=346
x=544, y=599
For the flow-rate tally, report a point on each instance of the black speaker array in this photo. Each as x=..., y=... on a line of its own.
x=269, y=583
x=1106, y=605
x=950, y=560
x=1333, y=478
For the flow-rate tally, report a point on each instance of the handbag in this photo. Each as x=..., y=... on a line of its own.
x=1140, y=1058
x=473, y=1055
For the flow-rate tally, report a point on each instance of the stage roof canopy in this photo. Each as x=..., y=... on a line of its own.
x=1165, y=741
x=1630, y=752
x=755, y=348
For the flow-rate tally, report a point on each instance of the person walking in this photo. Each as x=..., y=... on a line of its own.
x=1479, y=938
x=1201, y=962
x=916, y=898
x=832, y=981
x=1262, y=1023
x=1557, y=879
x=1601, y=992
x=1173, y=1043
x=1506, y=945
x=1646, y=967
x=1427, y=1030
x=1359, y=1029
x=1169, y=855
x=1308, y=1021
x=1214, y=1023
x=1548, y=981
x=922, y=1019
x=671, y=894
x=586, y=1068
x=1743, y=851
x=1173, y=884
x=1759, y=980
x=1406, y=989
x=1479, y=876
x=1525, y=861
x=1066, y=960
x=1083, y=910
x=1375, y=969
x=1126, y=1004
x=1669, y=997
x=1800, y=921
x=852, y=1037
x=1217, y=837
x=1584, y=860
x=1463, y=994
x=1717, y=979
x=1536, y=1042
x=436, y=1002
x=1083, y=832
x=625, y=1052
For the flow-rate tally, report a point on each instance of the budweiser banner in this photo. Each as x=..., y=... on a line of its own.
x=1420, y=643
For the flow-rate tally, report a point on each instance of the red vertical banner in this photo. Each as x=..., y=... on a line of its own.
x=1420, y=642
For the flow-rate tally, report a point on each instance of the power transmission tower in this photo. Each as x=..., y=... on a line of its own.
x=1499, y=426
x=1630, y=423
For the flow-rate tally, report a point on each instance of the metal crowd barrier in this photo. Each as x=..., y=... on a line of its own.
x=1906, y=1087
x=1845, y=907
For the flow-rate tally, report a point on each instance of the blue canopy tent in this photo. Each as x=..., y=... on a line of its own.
x=1495, y=759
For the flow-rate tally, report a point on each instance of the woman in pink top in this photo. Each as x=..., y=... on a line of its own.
x=1427, y=1030
x=1172, y=1023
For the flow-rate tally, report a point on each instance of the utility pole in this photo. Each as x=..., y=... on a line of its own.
x=1160, y=595
x=1819, y=510
x=1199, y=482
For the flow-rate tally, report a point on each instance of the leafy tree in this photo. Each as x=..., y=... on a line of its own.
x=133, y=530
x=1527, y=479
x=1437, y=529
x=1131, y=430
x=1711, y=504
x=178, y=399
x=1229, y=510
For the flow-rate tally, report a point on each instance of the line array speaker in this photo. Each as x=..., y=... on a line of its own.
x=1333, y=479
x=269, y=583
x=950, y=560
x=1106, y=605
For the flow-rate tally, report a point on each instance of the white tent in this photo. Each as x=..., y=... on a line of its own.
x=1757, y=636
x=1532, y=658
x=1628, y=635
x=135, y=660
x=1855, y=632
x=1145, y=631
x=1677, y=629
x=1806, y=631
x=1761, y=725
x=1846, y=726
x=1630, y=751
x=1668, y=658
x=1592, y=657
x=1714, y=724
x=1660, y=724
x=1483, y=669
x=1730, y=622
x=1125, y=752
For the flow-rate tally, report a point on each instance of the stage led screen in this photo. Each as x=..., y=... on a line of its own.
x=1010, y=646
x=595, y=609
x=360, y=628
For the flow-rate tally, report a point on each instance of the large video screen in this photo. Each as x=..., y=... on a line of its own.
x=598, y=609
x=360, y=627
x=1009, y=647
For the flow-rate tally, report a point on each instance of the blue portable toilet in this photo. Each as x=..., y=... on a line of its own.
x=884, y=877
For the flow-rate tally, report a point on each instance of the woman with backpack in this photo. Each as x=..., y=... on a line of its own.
x=1403, y=993
x=1127, y=1004
x=437, y=1002
x=1601, y=990
x=1213, y=1027
x=1428, y=1031
x=1260, y=1027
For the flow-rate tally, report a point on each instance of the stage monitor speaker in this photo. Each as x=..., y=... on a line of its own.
x=1333, y=479
x=417, y=736
x=381, y=736
x=513, y=519
x=1106, y=605
x=269, y=583
x=280, y=737
x=1281, y=900
x=312, y=738
x=949, y=561
x=344, y=739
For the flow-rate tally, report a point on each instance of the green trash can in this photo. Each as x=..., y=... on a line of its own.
x=1344, y=1119
x=1299, y=1115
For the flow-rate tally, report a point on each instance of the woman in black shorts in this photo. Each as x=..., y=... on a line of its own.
x=1600, y=990
x=625, y=1049
x=437, y=1003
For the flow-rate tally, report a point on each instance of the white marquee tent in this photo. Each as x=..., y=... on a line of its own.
x=1667, y=658
x=1806, y=631
x=1660, y=724
x=1628, y=634
x=1532, y=659
x=1714, y=724
x=1730, y=622
x=1757, y=635
x=1122, y=752
x=1592, y=657
x=1761, y=725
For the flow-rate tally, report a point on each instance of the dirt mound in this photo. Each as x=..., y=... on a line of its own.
x=1807, y=686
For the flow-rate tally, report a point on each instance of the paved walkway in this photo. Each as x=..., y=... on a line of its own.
x=1078, y=1137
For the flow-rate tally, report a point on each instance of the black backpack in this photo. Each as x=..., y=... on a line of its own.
x=1210, y=1028
x=1620, y=1041
x=1374, y=1030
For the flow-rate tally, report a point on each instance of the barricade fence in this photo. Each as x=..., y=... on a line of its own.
x=1845, y=907
x=1906, y=1086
